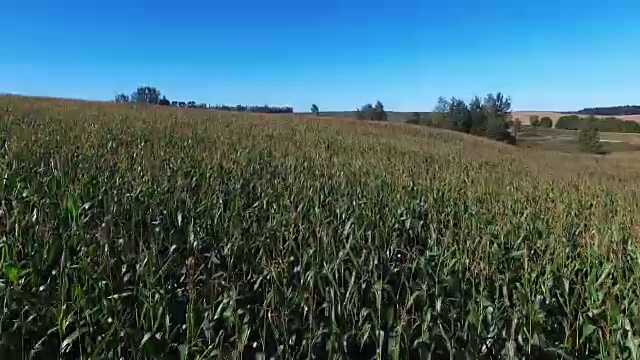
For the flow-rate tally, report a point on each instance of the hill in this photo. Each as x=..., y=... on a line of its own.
x=150, y=232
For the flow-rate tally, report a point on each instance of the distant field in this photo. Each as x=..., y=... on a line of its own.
x=566, y=140
x=143, y=232
x=395, y=116
x=524, y=116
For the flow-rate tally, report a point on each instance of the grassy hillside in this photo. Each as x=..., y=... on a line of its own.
x=148, y=232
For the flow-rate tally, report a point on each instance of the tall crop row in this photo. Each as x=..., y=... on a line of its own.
x=149, y=233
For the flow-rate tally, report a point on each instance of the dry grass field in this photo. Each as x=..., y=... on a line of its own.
x=142, y=232
x=525, y=115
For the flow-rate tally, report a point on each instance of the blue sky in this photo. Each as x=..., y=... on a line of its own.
x=548, y=55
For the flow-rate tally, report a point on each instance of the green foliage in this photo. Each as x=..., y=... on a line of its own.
x=491, y=117
x=459, y=115
x=545, y=122
x=379, y=113
x=416, y=118
x=478, y=117
x=122, y=98
x=589, y=140
x=534, y=120
x=371, y=112
x=569, y=122
x=162, y=234
x=608, y=124
x=315, y=110
x=146, y=95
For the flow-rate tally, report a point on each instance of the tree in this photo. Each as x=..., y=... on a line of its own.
x=498, y=111
x=315, y=110
x=546, y=122
x=379, y=114
x=122, y=98
x=416, y=118
x=442, y=105
x=459, y=115
x=164, y=101
x=589, y=140
x=497, y=128
x=569, y=122
x=497, y=105
x=146, y=95
x=478, y=117
x=439, y=117
x=365, y=112
x=534, y=120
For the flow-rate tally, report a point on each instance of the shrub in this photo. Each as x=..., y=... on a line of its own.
x=589, y=139
x=534, y=120
x=546, y=122
x=569, y=122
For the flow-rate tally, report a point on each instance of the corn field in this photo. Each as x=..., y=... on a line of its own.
x=157, y=233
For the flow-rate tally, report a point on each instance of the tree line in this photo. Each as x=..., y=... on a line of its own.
x=152, y=96
x=489, y=117
x=612, y=110
x=607, y=124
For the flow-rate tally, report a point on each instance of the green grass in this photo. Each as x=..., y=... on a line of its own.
x=154, y=233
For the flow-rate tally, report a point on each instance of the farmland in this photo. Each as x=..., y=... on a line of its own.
x=145, y=232
x=525, y=116
x=566, y=141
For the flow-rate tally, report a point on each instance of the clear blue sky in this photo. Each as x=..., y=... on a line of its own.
x=546, y=54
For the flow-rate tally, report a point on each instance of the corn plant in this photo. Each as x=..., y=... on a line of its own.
x=140, y=232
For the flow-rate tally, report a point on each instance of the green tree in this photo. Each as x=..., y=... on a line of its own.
x=478, y=117
x=365, y=112
x=589, y=140
x=416, y=118
x=459, y=115
x=442, y=105
x=534, y=120
x=498, y=105
x=315, y=110
x=497, y=128
x=497, y=109
x=379, y=114
x=439, y=116
x=146, y=95
x=122, y=98
x=569, y=122
x=164, y=101
x=546, y=122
